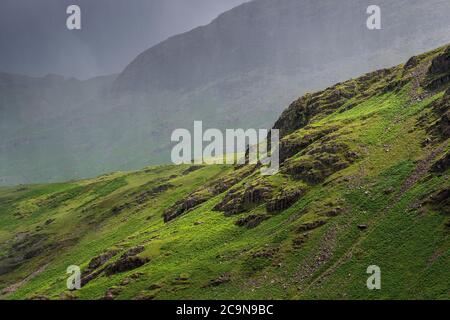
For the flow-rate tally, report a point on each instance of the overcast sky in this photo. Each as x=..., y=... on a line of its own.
x=34, y=39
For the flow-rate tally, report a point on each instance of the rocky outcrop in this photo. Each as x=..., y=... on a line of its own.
x=186, y=205
x=206, y=193
x=440, y=201
x=96, y=266
x=127, y=261
x=412, y=63
x=126, y=264
x=441, y=64
x=132, y=252
x=439, y=126
x=316, y=171
x=320, y=162
x=292, y=145
x=439, y=71
x=300, y=113
x=284, y=200
x=310, y=226
x=242, y=199
x=101, y=259
x=442, y=164
x=251, y=221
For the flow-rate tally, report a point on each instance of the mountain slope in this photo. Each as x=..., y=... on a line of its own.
x=43, y=127
x=364, y=181
x=252, y=60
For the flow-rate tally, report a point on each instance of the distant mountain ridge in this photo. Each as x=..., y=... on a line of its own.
x=287, y=37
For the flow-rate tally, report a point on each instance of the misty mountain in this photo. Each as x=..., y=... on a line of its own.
x=241, y=70
x=288, y=38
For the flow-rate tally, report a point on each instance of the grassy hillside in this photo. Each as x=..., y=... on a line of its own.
x=364, y=181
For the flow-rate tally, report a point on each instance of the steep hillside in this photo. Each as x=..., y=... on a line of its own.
x=253, y=59
x=364, y=181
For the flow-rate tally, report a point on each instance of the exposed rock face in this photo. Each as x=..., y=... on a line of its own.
x=127, y=261
x=442, y=164
x=126, y=264
x=284, y=200
x=96, y=266
x=293, y=145
x=441, y=108
x=439, y=71
x=101, y=260
x=440, y=201
x=205, y=193
x=321, y=162
x=185, y=205
x=412, y=63
x=443, y=126
x=251, y=221
x=300, y=112
x=132, y=252
x=310, y=226
x=441, y=64
x=238, y=200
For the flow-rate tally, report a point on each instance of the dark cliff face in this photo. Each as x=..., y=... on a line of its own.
x=289, y=37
